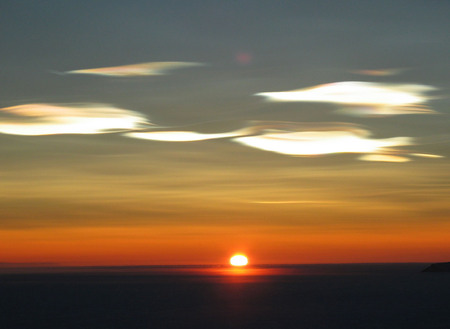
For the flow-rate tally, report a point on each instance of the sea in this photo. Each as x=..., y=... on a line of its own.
x=333, y=296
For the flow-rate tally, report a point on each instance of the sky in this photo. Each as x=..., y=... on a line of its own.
x=174, y=132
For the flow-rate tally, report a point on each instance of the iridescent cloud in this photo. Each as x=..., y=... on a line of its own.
x=383, y=111
x=50, y=119
x=369, y=98
x=322, y=139
x=380, y=73
x=383, y=158
x=300, y=139
x=141, y=69
x=186, y=136
x=425, y=155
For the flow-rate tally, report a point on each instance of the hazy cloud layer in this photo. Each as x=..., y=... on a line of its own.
x=142, y=69
x=50, y=119
x=365, y=98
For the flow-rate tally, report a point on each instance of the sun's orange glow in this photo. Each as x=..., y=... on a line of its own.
x=272, y=244
x=238, y=260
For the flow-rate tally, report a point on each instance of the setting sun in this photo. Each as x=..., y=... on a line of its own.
x=238, y=260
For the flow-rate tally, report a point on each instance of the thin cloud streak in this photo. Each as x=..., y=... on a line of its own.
x=383, y=158
x=369, y=98
x=425, y=155
x=51, y=119
x=382, y=111
x=380, y=72
x=312, y=202
x=185, y=136
x=133, y=70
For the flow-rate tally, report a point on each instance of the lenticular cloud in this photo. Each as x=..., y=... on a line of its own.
x=324, y=139
x=300, y=139
x=185, y=136
x=364, y=98
x=142, y=69
x=51, y=119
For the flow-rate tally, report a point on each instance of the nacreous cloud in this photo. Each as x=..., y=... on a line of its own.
x=299, y=139
x=366, y=98
x=51, y=119
x=322, y=139
x=380, y=73
x=186, y=136
x=142, y=69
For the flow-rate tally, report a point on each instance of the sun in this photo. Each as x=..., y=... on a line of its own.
x=238, y=260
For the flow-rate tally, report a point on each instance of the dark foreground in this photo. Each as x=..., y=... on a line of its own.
x=307, y=296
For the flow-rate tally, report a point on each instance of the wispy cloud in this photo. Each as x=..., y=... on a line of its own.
x=365, y=98
x=287, y=202
x=425, y=155
x=185, y=136
x=383, y=158
x=141, y=69
x=381, y=72
x=382, y=111
x=50, y=119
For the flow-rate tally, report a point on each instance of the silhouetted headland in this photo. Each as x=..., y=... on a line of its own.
x=438, y=267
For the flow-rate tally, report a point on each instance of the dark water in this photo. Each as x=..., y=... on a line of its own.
x=306, y=296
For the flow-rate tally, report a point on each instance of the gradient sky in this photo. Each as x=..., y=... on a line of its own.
x=105, y=197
